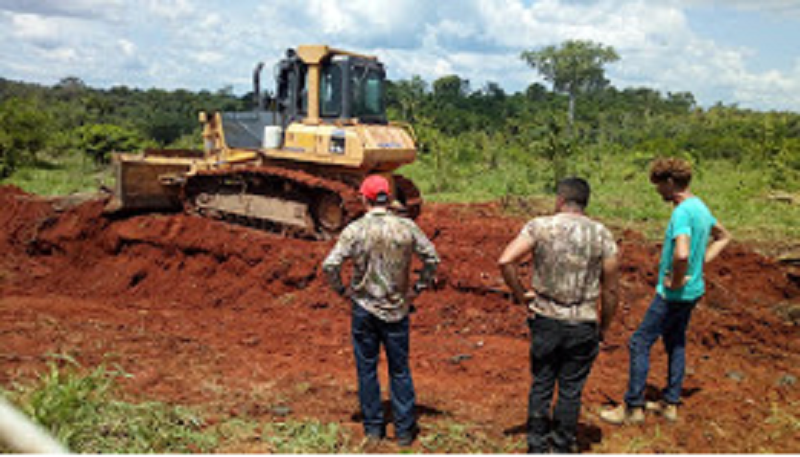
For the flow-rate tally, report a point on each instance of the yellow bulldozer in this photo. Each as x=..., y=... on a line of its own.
x=292, y=164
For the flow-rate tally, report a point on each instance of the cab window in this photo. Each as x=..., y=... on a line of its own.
x=330, y=91
x=367, y=90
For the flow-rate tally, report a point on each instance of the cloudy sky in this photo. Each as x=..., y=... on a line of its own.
x=744, y=52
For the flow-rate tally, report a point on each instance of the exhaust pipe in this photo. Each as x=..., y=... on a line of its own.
x=257, y=102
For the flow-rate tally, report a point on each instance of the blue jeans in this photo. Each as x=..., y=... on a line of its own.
x=663, y=319
x=368, y=333
x=561, y=353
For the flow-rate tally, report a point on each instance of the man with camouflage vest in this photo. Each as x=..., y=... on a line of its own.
x=574, y=262
x=381, y=246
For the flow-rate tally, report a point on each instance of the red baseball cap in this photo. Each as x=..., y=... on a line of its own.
x=375, y=188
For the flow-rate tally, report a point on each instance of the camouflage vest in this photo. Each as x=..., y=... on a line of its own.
x=568, y=258
x=381, y=246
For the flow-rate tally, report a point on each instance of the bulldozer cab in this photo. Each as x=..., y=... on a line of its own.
x=315, y=85
x=318, y=84
x=328, y=108
x=352, y=88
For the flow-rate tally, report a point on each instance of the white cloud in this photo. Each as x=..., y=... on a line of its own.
x=172, y=10
x=38, y=30
x=777, y=8
x=85, y=9
x=209, y=44
x=208, y=57
x=127, y=47
x=62, y=56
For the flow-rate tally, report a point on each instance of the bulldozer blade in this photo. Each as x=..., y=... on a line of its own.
x=150, y=180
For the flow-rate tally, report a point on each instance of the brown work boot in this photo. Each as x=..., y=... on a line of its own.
x=622, y=414
x=372, y=442
x=668, y=411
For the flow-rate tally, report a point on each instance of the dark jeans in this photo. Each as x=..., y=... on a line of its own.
x=368, y=333
x=663, y=319
x=561, y=353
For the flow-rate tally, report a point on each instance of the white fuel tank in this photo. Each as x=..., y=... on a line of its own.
x=273, y=137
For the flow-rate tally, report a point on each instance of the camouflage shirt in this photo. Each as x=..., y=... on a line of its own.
x=568, y=253
x=381, y=245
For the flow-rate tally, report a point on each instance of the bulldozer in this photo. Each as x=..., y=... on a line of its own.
x=293, y=163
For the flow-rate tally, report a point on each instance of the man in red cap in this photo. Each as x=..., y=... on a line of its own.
x=380, y=245
x=375, y=189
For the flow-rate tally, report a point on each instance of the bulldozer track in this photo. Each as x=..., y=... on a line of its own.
x=295, y=190
x=256, y=196
x=409, y=196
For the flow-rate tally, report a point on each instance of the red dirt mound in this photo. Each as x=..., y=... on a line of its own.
x=199, y=311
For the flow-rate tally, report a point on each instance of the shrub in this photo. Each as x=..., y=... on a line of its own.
x=100, y=140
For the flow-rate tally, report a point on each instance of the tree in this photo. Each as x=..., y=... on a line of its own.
x=7, y=158
x=409, y=96
x=450, y=88
x=536, y=92
x=100, y=140
x=574, y=67
x=493, y=91
x=70, y=88
x=24, y=128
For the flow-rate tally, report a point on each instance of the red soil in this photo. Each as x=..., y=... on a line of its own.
x=201, y=312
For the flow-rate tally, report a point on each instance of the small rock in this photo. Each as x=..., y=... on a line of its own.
x=251, y=341
x=737, y=376
x=789, y=312
x=787, y=380
x=281, y=410
x=460, y=358
x=794, y=313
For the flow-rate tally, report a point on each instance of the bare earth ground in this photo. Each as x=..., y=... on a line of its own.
x=240, y=321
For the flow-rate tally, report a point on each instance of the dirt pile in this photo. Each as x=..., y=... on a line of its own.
x=202, y=311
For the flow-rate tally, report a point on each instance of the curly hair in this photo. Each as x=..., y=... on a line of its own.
x=679, y=170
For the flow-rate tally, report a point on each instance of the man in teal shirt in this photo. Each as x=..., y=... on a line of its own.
x=680, y=286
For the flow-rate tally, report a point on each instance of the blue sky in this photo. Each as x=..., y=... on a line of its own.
x=743, y=52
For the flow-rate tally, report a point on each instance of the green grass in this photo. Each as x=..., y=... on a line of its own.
x=737, y=195
x=61, y=176
x=441, y=437
x=475, y=183
x=449, y=437
x=83, y=411
x=741, y=197
x=784, y=424
x=622, y=195
x=307, y=436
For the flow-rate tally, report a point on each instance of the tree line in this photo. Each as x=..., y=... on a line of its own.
x=460, y=129
x=39, y=121
x=582, y=116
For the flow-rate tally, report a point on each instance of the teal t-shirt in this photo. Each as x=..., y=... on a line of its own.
x=693, y=218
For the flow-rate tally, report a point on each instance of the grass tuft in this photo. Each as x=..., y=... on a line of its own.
x=448, y=437
x=309, y=436
x=82, y=410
